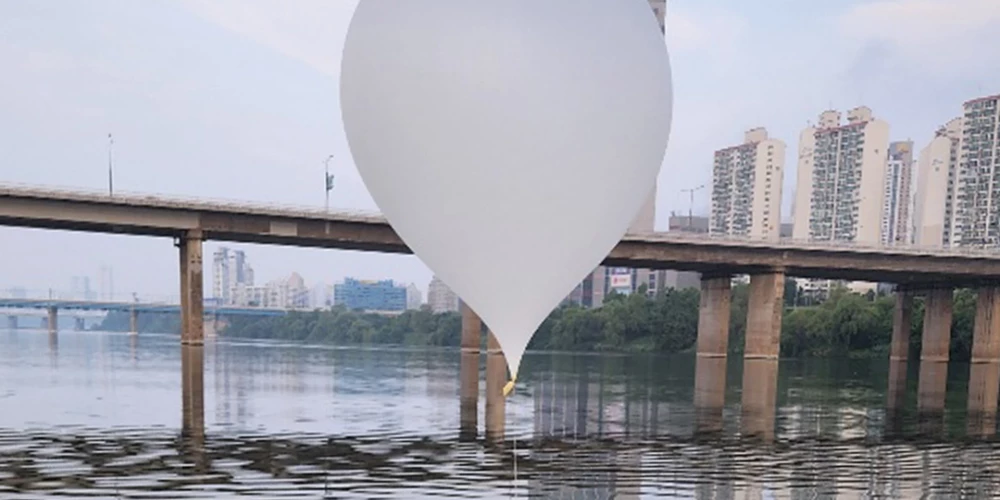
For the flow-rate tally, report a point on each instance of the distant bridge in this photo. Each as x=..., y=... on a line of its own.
x=210, y=308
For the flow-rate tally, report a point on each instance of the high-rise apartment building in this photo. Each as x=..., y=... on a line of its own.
x=841, y=176
x=977, y=218
x=841, y=183
x=230, y=271
x=897, y=196
x=746, y=188
x=937, y=187
x=440, y=298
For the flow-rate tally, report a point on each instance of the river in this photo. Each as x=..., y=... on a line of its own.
x=106, y=415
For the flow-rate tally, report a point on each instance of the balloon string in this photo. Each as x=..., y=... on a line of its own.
x=506, y=391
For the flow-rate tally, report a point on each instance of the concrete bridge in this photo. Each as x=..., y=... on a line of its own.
x=932, y=272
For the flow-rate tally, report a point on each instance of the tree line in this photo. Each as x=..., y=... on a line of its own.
x=845, y=324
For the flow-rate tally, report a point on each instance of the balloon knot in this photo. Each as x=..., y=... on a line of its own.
x=507, y=389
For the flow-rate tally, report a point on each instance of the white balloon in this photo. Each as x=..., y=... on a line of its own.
x=509, y=143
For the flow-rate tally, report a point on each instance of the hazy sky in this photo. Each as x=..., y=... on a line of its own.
x=237, y=99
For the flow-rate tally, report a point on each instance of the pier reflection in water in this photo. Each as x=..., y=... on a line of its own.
x=97, y=414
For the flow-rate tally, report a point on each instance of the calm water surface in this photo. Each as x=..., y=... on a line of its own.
x=100, y=415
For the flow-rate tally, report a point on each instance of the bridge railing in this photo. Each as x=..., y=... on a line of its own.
x=810, y=244
x=182, y=201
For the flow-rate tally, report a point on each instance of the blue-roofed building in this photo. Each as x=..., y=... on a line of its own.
x=365, y=295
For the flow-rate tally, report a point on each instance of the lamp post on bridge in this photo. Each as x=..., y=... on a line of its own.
x=328, y=182
x=691, y=191
x=111, y=181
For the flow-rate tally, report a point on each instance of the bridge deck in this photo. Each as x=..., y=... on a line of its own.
x=239, y=222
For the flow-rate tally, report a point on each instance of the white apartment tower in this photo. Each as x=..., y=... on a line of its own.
x=896, y=197
x=977, y=221
x=841, y=176
x=746, y=188
x=440, y=297
x=230, y=271
x=840, y=183
x=937, y=187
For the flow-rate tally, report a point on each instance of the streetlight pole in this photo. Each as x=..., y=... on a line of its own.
x=691, y=191
x=111, y=181
x=328, y=182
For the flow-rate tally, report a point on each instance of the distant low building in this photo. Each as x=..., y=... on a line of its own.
x=414, y=299
x=288, y=293
x=440, y=298
x=366, y=295
x=688, y=224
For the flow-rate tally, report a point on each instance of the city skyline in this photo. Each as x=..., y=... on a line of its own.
x=258, y=91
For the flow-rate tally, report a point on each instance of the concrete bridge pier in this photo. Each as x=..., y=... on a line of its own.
x=53, y=320
x=902, y=324
x=934, y=350
x=713, y=344
x=193, y=398
x=192, y=293
x=133, y=321
x=899, y=353
x=760, y=357
x=982, y=405
x=984, y=373
x=12, y=322
x=760, y=398
x=896, y=396
x=764, y=311
x=496, y=378
x=79, y=324
x=472, y=327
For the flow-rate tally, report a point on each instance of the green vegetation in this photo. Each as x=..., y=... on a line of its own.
x=846, y=324
x=340, y=326
x=118, y=321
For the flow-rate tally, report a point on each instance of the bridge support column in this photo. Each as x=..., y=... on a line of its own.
x=472, y=328
x=192, y=293
x=984, y=374
x=496, y=378
x=934, y=350
x=79, y=324
x=764, y=310
x=12, y=322
x=760, y=357
x=133, y=321
x=713, y=317
x=902, y=321
x=986, y=330
x=760, y=398
x=53, y=320
x=193, y=396
x=713, y=344
x=937, y=325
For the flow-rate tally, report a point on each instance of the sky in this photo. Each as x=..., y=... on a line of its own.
x=237, y=99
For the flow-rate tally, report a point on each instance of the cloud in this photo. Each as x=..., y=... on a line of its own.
x=705, y=31
x=952, y=36
x=310, y=31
